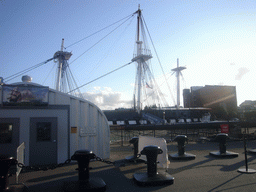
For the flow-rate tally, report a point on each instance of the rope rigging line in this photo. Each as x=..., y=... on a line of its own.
x=27, y=70
x=74, y=81
x=99, y=31
x=99, y=41
x=101, y=77
x=52, y=69
x=159, y=61
x=97, y=65
x=157, y=90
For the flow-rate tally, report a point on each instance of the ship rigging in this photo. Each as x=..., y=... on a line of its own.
x=147, y=93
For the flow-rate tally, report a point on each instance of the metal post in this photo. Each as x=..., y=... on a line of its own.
x=245, y=154
x=122, y=142
x=246, y=170
x=178, y=85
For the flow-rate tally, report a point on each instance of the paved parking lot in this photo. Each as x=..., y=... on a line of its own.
x=205, y=173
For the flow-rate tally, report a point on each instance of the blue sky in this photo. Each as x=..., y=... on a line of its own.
x=215, y=40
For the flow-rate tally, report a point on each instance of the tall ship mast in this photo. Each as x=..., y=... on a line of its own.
x=142, y=56
x=65, y=81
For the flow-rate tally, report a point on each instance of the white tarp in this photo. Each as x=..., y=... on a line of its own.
x=20, y=158
x=161, y=142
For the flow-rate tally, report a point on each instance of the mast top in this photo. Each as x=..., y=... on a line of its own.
x=62, y=44
x=138, y=11
x=178, y=68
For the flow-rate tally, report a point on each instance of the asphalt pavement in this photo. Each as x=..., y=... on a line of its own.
x=204, y=173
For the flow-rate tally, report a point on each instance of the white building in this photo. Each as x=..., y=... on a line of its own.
x=52, y=124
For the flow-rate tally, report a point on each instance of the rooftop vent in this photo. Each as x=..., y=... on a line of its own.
x=26, y=78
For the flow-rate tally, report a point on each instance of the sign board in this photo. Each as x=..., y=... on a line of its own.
x=88, y=131
x=15, y=95
x=73, y=129
x=224, y=128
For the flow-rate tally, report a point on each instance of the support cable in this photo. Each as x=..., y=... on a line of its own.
x=27, y=70
x=99, y=41
x=101, y=77
x=73, y=78
x=49, y=73
x=110, y=49
x=99, y=31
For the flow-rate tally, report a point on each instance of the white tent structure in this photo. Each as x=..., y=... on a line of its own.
x=52, y=124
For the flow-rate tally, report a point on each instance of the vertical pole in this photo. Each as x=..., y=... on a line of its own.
x=134, y=102
x=178, y=85
x=139, y=70
x=245, y=154
x=122, y=142
x=60, y=67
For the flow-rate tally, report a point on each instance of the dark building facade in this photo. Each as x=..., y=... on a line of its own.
x=221, y=99
x=247, y=111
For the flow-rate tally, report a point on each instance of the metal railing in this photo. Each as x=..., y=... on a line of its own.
x=122, y=134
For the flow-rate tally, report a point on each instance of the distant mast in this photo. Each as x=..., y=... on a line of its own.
x=59, y=67
x=178, y=72
x=63, y=58
x=141, y=56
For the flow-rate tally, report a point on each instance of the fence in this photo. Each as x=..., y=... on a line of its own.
x=123, y=134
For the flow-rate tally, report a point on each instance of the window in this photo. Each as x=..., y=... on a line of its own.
x=43, y=130
x=6, y=133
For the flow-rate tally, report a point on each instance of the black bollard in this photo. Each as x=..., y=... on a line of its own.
x=84, y=183
x=83, y=158
x=135, y=142
x=181, y=139
x=181, y=155
x=5, y=163
x=221, y=138
x=151, y=153
x=152, y=177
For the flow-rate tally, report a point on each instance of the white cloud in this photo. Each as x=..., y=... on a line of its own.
x=107, y=99
x=241, y=72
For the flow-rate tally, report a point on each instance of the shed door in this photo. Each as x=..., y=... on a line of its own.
x=43, y=141
x=9, y=136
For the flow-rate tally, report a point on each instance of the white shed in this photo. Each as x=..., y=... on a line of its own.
x=52, y=124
